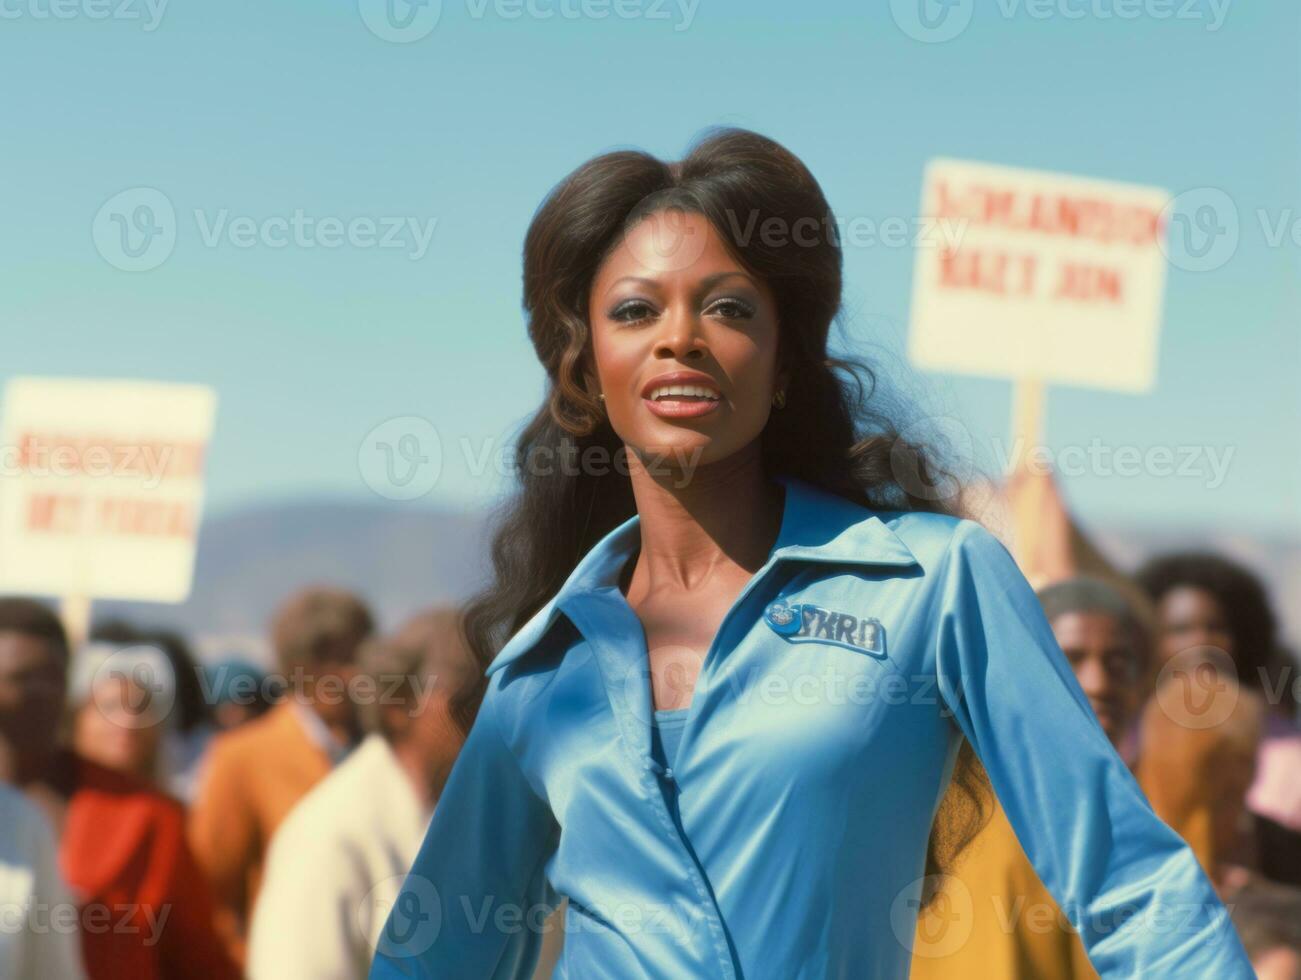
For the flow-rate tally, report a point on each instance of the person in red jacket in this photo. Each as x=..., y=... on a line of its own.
x=143, y=909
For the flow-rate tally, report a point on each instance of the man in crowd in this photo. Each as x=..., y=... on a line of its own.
x=240, y=692
x=36, y=941
x=255, y=774
x=341, y=855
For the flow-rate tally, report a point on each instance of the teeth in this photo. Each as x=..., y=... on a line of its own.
x=670, y=390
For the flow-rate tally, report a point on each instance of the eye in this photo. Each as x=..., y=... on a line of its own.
x=1121, y=665
x=633, y=311
x=731, y=308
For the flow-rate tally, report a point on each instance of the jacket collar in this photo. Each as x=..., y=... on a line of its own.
x=817, y=526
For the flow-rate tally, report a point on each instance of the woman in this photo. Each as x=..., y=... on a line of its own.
x=121, y=700
x=1209, y=606
x=710, y=521
x=166, y=753
x=1229, y=780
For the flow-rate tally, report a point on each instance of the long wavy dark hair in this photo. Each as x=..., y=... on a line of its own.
x=739, y=181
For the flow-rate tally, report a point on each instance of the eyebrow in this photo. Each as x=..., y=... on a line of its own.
x=706, y=284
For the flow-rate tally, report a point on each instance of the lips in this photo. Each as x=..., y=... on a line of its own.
x=680, y=379
x=1108, y=713
x=682, y=394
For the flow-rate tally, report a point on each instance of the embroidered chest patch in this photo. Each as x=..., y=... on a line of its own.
x=803, y=622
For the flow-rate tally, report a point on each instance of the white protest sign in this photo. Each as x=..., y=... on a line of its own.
x=1045, y=276
x=102, y=487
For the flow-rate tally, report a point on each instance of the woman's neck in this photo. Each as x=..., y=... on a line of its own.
x=723, y=513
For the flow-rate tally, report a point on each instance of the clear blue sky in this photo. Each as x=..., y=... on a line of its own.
x=261, y=109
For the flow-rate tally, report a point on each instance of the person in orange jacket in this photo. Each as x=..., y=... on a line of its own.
x=255, y=774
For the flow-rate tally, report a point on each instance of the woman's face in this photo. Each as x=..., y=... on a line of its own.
x=670, y=298
x=116, y=728
x=1192, y=618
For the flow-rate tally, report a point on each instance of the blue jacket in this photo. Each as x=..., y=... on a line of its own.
x=788, y=842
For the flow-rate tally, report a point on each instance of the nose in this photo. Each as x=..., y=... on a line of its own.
x=1204, y=636
x=680, y=338
x=1093, y=678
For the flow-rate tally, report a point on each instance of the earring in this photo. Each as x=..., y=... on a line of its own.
x=779, y=399
x=601, y=395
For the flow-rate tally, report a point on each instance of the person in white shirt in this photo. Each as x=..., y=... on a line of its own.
x=39, y=937
x=336, y=864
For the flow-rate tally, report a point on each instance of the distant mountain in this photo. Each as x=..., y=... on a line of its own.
x=399, y=558
x=403, y=558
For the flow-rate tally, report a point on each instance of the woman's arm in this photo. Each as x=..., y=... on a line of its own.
x=1129, y=884
x=474, y=905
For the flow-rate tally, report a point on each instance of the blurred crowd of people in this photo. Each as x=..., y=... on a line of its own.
x=1183, y=669
x=160, y=820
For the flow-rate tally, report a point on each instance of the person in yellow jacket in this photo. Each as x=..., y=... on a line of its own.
x=993, y=917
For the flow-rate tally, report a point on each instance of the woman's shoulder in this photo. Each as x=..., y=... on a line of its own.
x=935, y=537
x=107, y=789
x=535, y=655
x=115, y=821
x=540, y=630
